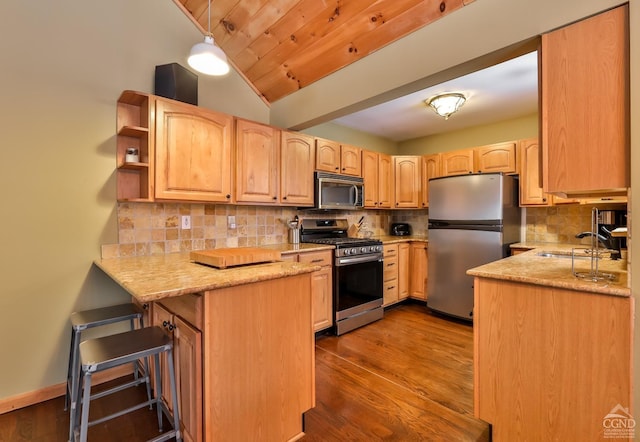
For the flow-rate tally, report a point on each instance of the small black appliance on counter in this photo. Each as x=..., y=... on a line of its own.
x=400, y=229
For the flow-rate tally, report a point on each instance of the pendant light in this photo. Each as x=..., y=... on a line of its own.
x=207, y=58
x=446, y=104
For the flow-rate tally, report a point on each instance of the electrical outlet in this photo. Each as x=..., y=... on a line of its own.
x=186, y=222
x=231, y=222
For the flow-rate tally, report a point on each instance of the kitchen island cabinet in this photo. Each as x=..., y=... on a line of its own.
x=552, y=353
x=255, y=327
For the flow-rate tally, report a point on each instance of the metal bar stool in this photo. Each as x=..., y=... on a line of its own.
x=124, y=348
x=83, y=320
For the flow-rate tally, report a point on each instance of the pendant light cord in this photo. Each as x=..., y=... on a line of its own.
x=209, y=25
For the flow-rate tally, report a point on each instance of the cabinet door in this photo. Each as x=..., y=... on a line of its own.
x=188, y=368
x=187, y=362
x=407, y=181
x=163, y=318
x=193, y=153
x=584, y=105
x=418, y=280
x=351, y=160
x=385, y=181
x=458, y=162
x=431, y=165
x=257, y=162
x=499, y=157
x=321, y=287
x=296, y=169
x=531, y=193
x=403, y=270
x=370, y=177
x=327, y=155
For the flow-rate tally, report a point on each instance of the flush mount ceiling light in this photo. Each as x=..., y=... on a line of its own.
x=446, y=104
x=206, y=57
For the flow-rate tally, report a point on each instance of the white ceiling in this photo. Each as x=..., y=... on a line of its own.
x=501, y=92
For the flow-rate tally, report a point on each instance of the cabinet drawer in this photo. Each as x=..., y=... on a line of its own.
x=188, y=307
x=322, y=258
x=390, y=292
x=390, y=269
x=390, y=251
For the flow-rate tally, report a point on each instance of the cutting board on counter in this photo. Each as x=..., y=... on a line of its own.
x=232, y=257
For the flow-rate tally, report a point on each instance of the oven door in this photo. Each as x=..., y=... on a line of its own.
x=358, y=284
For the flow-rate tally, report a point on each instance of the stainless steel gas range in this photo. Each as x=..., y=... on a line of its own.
x=357, y=272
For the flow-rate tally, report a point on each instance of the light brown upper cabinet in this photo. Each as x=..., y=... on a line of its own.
x=377, y=175
x=585, y=106
x=334, y=157
x=193, y=153
x=257, y=162
x=296, y=169
x=531, y=193
x=407, y=181
x=431, y=168
x=500, y=157
x=457, y=162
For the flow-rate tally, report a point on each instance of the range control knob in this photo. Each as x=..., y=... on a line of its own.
x=347, y=252
x=354, y=251
x=363, y=249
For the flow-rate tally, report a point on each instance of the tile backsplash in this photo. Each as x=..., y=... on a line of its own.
x=155, y=229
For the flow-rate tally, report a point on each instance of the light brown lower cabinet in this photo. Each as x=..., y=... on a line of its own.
x=550, y=363
x=390, y=275
x=321, y=287
x=187, y=360
x=231, y=347
x=418, y=276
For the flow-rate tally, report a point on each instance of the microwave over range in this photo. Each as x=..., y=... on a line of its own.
x=338, y=191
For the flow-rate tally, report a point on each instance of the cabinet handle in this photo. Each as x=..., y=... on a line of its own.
x=275, y=198
x=337, y=168
x=391, y=287
x=145, y=306
x=227, y=196
x=171, y=327
x=317, y=260
x=284, y=197
x=391, y=264
x=165, y=323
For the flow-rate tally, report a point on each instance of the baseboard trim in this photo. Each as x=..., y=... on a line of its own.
x=53, y=391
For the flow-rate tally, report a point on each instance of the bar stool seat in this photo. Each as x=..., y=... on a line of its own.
x=84, y=320
x=123, y=348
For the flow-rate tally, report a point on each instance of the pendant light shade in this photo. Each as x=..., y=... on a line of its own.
x=208, y=58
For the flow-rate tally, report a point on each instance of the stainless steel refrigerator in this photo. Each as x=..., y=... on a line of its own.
x=472, y=221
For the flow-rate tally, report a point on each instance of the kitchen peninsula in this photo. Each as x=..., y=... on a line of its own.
x=243, y=337
x=552, y=352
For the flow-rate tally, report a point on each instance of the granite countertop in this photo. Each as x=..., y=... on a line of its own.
x=530, y=267
x=390, y=239
x=150, y=278
x=287, y=248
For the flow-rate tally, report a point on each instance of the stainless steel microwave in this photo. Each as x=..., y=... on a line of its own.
x=338, y=191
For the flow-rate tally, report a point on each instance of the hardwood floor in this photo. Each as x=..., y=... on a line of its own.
x=407, y=377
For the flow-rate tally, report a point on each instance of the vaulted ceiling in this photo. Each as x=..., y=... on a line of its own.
x=281, y=46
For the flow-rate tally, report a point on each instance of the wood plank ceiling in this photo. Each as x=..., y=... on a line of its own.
x=281, y=46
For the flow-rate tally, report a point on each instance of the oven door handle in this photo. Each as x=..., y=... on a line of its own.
x=344, y=260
